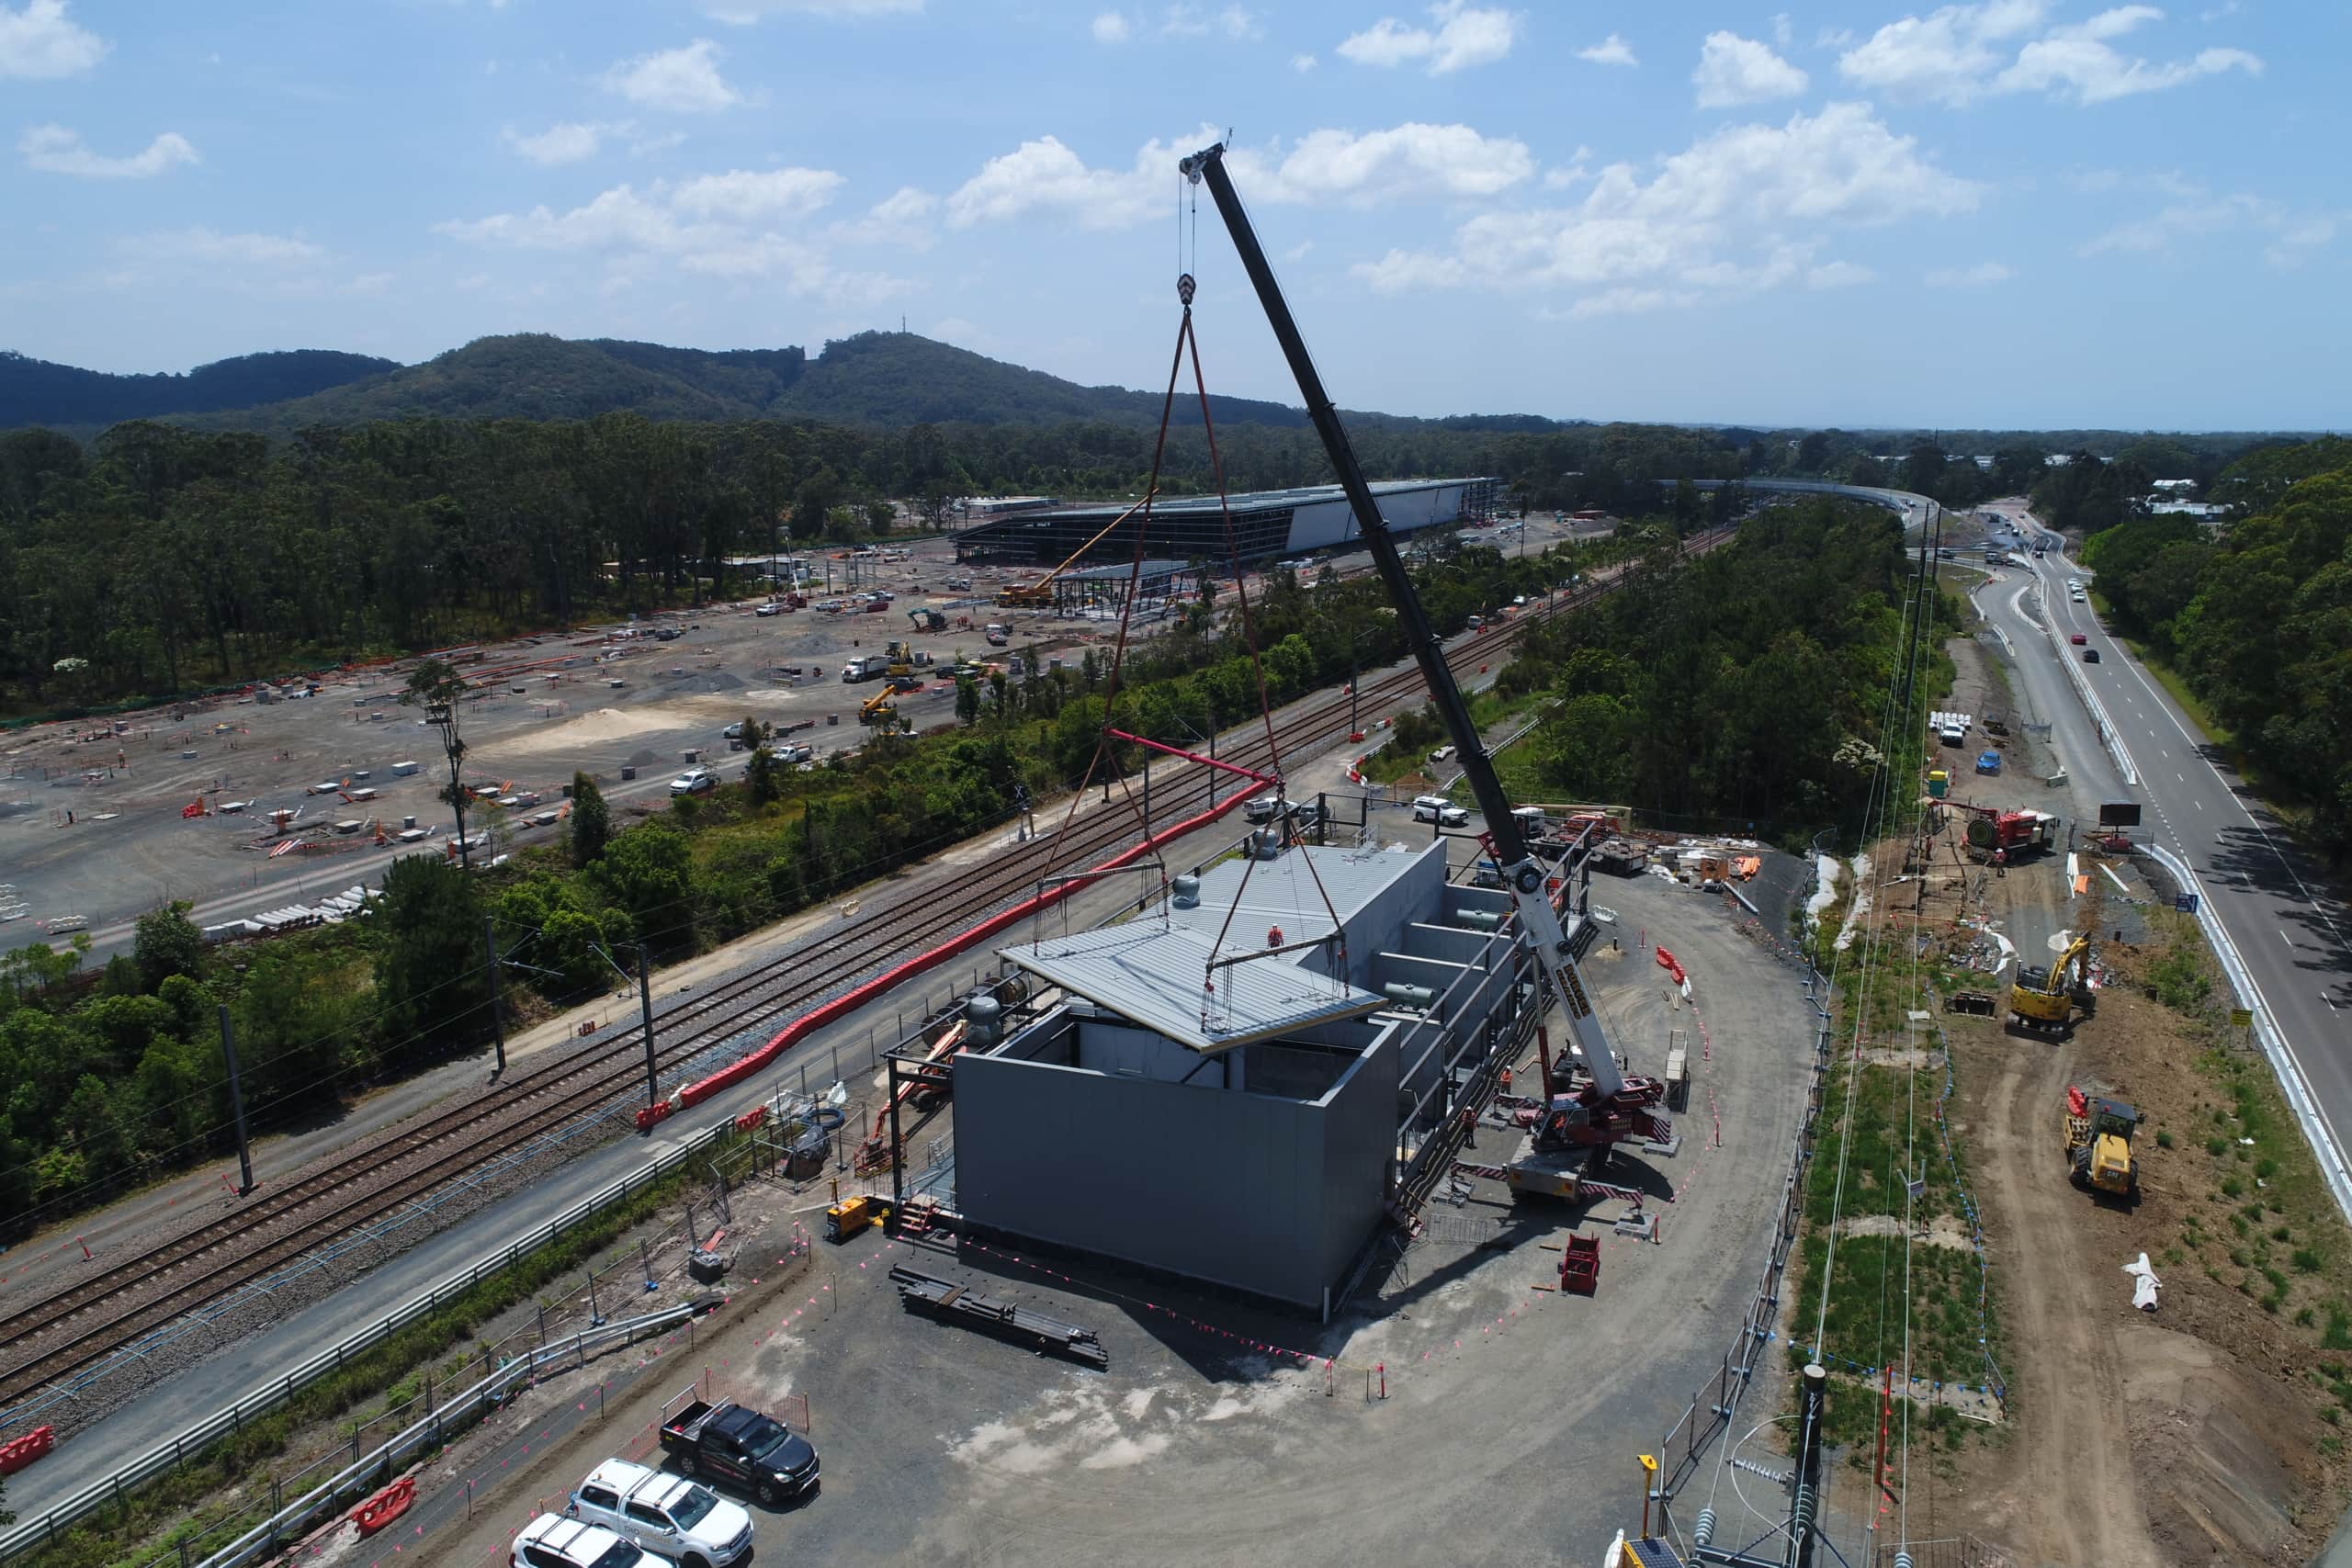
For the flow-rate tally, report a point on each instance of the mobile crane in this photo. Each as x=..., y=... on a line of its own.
x=1037, y=594
x=1606, y=1105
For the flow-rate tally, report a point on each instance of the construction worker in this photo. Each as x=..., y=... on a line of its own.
x=2000, y=863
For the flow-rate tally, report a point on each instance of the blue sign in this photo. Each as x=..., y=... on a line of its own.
x=2185, y=902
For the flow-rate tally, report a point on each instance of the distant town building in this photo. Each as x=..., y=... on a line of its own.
x=1983, y=461
x=2181, y=486
x=2058, y=460
x=997, y=505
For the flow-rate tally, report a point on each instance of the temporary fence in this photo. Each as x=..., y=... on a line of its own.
x=43, y=1529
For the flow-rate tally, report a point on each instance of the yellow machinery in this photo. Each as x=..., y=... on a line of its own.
x=2045, y=1000
x=851, y=1215
x=2098, y=1144
x=877, y=708
x=902, y=658
x=1031, y=595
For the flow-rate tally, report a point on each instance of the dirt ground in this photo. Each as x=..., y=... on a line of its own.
x=2202, y=1432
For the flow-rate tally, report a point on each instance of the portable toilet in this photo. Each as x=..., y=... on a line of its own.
x=1938, y=783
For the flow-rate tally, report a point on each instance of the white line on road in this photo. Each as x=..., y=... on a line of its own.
x=2285, y=938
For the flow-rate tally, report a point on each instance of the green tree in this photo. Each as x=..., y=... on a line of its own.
x=967, y=700
x=166, y=943
x=648, y=871
x=428, y=959
x=591, y=821
x=92, y=1129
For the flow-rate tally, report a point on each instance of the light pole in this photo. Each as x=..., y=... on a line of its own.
x=444, y=715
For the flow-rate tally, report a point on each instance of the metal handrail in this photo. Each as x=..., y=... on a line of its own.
x=43, y=1530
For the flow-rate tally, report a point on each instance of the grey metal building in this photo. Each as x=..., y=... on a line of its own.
x=1265, y=523
x=1249, y=1122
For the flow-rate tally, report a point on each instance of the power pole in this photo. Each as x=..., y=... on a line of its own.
x=645, y=1005
x=236, y=1104
x=497, y=1009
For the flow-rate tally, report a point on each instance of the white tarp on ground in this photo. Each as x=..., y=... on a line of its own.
x=2144, y=1283
x=1859, y=907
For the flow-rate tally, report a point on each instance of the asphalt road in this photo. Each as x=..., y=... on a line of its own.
x=2287, y=923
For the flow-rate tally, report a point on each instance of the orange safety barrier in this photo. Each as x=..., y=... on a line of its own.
x=750, y=1119
x=972, y=936
x=1667, y=962
x=385, y=1506
x=18, y=1453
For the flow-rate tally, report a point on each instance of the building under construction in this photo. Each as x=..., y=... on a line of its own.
x=1174, y=1094
x=1266, y=524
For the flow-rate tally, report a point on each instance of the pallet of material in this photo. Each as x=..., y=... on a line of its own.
x=952, y=1303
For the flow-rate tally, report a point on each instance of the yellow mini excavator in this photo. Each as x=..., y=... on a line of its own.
x=2045, y=1001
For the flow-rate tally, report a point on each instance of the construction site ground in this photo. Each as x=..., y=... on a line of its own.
x=2207, y=1431
x=1225, y=1431
x=90, y=823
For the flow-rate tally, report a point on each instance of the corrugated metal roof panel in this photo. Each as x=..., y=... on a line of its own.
x=1153, y=976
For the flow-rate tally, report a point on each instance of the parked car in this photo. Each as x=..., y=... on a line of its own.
x=664, y=1514
x=769, y=609
x=694, y=781
x=1264, y=809
x=1438, y=810
x=2090, y=656
x=729, y=1443
x=2078, y=639
x=733, y=732
x=1477, y=623
x=552, y=1541
x=667, y=634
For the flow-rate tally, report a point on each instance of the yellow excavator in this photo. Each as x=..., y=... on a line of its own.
x=1032, y=595
x=901, y=657
x=2098, y=1144
x=2045, y=1001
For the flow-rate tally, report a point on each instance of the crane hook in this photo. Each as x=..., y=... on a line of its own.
x=1184, y=287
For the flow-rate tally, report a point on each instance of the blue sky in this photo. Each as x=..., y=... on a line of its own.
x=2007, y=213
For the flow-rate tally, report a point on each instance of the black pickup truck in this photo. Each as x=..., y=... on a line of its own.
x=730, y=1443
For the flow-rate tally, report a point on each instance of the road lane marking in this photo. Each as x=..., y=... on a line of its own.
x=2285, y=938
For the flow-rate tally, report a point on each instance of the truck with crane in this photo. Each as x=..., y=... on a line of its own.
x=2013, y=833
x=1589, y=1103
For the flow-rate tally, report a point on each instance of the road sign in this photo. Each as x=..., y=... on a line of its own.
x=2241, y=1018
x=2185, y=902
x=2118, y=814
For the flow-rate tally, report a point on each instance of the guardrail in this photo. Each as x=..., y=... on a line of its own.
x=2266, y=1029
x=43, y=1530
x=349, y=1483
x=2108, y=734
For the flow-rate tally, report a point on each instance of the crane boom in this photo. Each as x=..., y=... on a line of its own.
x=1522, y=873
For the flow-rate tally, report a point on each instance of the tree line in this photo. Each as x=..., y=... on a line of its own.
x=2258, y=620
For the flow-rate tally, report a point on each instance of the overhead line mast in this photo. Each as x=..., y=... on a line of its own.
x=1522, y=873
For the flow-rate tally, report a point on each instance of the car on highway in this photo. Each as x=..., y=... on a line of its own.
x=1438, y=810
x=2078, y=639
x=552, y=1541
x=2090, y=656
x=673, y=1518
x=694, y=781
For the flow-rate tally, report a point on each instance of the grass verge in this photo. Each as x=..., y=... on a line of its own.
x=224, y=1487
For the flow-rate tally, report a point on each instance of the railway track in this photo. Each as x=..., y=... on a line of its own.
x=83, y=1322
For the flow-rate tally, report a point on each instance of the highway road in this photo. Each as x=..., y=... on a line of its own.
x=2287, y=924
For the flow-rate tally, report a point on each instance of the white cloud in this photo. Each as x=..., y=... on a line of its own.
x=1610, y=50
x=1960, y=53
x=1839, y=275
x=241, y=250
x=1947, y=55
x=1708, y=225
x=1984, y=275
x=1186, y=20
x=53, y=150
x=2294, y=236
x=1733, y=70
x=2227, y=8
x=744, y=13
x=569, y=142
x=1465, y=36
x=1045, y=176
x=41, y=43
x=726, y=225
x=1834, y=37
x=2078, y=60
x=900, y=219
x=679, y=81
x=1302, y=63
x=747, y=196
x=1784, y=35
x=1108, y=27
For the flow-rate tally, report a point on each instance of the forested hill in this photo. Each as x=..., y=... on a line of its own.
x=34, y=392
x=880, y=379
